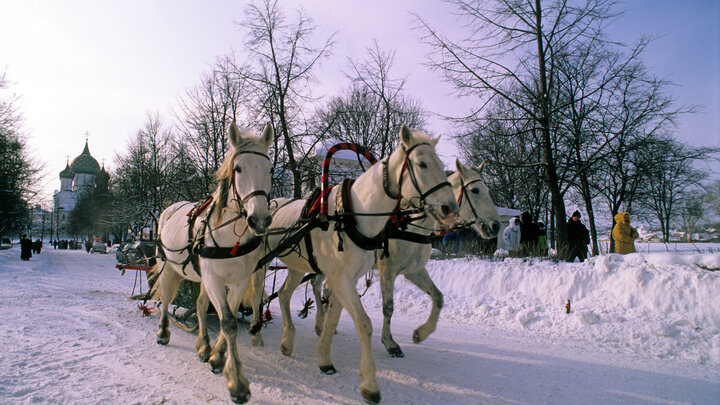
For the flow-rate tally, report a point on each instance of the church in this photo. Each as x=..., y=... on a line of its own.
x=78, y=178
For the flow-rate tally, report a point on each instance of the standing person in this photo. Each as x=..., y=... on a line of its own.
x=511, y=236
x=542, y=239
x=578, y=238
x=624, y=234
x=25, y=248
x=528, y=235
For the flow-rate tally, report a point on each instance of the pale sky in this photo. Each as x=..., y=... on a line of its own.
x=101, y=66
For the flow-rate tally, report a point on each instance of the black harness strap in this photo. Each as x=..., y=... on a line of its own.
x=395, y=233
x=216, y=252
x=350, y=224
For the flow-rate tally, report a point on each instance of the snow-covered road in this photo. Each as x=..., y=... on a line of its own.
x=69, y=336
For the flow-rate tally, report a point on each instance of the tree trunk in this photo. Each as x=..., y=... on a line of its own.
x=550, y=169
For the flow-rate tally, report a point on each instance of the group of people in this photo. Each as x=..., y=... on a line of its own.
x=523, y=237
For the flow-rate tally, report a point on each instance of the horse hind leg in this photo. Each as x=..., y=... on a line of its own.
x=321, y=301
x=256, y=292
x=387, y=287
x=422, y=280
x=203, y=342
x=286, y=291
x=168, y=285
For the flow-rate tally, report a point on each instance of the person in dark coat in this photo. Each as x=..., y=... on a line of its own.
x=578, y=238
x=25, y=248
x=528, y=235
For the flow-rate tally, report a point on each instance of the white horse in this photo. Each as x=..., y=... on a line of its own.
x=409, y=259
x=413, y=173
x=218, y=245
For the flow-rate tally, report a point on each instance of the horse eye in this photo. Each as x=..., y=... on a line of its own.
x=238, y=170
x=422, y=165
x=475, y=190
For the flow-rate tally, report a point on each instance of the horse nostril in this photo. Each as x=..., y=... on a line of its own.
x=495, y=226
x=445, y=210
x=268, y=221
x=252, y=221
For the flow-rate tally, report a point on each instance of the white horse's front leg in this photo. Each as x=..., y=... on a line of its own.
x=387, y=287
x=227, y=304
x=203, y=341
x=345, y=293
x=422, y=280
x=258, y=290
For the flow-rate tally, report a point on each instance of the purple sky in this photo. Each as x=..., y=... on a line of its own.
x=99, y=67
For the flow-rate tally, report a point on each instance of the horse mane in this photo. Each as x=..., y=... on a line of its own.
x=224, y=173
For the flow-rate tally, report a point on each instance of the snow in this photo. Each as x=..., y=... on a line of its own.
x=643, y=328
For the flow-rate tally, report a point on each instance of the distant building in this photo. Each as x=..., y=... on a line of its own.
x=78, y=178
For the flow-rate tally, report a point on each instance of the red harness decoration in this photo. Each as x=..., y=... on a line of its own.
x=324, y=189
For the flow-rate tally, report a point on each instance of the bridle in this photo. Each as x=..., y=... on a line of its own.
x=242, y=212
x=413, y=178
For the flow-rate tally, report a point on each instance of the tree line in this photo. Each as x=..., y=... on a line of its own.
x=563, y=115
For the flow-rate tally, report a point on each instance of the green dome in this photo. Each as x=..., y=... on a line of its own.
x=85, y=163
x=67, y=173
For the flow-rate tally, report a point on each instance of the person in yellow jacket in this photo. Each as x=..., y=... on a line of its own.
x=624, y=234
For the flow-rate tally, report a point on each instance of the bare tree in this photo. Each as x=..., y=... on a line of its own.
x=19, y=171
x=509, y=41
x=204, y=117
x=279, y=72
x=144, y=181
x=672, y=174
x=692, y=210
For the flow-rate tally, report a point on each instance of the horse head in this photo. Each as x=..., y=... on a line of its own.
x=245, y=176
x=422, y=176
x=474, y=200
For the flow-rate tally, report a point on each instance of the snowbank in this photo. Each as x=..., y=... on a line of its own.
x=658, y=304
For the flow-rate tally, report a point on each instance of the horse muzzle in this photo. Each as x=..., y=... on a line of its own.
x=444, y=214
x=489, y=229
x=259, y=224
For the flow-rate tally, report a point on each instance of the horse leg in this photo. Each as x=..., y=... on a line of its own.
x=284, y=294
x=332, y=317
x=422, y=280
x=320, y=301
x=344, y=292
x=169, y=283
x=203, y=341
x=257, y=291
x=387, y=287
x=228, y=303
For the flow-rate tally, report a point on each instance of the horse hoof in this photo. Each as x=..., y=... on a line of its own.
x=329, y=370
x=215, y=370
x=240, y=398
x=370, y=397
x=163, y=340
x=395, y=352
x=416, y=337
x=285, y=350
x=204, y=357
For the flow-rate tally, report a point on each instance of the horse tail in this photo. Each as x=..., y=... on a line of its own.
x=153, y=275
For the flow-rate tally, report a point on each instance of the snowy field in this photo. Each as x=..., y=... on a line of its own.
x=644, y=329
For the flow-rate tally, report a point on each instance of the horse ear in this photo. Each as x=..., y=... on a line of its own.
x=461, y=168
x=480, y=168
x=406, y=135
x=267, y=135
x=234, y=134
x=434, y=141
